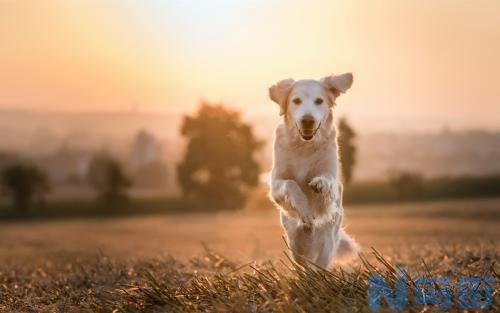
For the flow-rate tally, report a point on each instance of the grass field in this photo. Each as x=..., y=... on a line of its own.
x=234, y=262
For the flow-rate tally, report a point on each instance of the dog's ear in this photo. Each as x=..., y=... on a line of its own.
x=279, y=93
x=337, y=84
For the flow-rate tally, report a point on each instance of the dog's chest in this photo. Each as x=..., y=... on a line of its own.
x=302, y=167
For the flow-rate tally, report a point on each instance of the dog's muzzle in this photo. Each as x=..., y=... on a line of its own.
x=307, y=129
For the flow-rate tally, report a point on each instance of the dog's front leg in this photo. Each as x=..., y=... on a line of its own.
x=330, y=189
x=288, y=194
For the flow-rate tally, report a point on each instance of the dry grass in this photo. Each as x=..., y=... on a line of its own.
x=55, y=266
x=212, y=283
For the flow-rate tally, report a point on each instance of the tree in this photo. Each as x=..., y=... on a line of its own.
x=219, y=166
x=147, y=166
x=347, y=150
x=25, y=184
x=145, y=150
x=106, y=175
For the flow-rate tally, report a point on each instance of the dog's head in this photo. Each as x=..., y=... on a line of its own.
x=307, y=103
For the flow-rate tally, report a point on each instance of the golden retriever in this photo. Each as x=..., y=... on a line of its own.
x=304, y=180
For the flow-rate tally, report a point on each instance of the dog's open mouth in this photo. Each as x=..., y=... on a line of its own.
x=307, y=137
x=307, y=134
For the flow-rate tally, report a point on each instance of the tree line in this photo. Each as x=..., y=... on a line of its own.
x=218, y=169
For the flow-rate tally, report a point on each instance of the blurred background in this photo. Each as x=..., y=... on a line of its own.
x=144, y=128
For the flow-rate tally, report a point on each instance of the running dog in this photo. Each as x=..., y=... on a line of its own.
x=304, y=180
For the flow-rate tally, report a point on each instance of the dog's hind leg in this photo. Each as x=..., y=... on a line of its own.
x=327, y=250
x=300, y=239
x=347, y=246
x=327, y=241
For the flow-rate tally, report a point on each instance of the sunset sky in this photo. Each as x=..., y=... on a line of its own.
x=417, y=64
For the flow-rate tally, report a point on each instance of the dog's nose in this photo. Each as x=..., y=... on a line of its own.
x=307, y=122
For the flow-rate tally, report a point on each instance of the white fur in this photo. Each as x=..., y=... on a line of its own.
x=304, y=179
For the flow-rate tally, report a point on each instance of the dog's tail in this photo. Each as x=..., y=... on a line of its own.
x=348, y=247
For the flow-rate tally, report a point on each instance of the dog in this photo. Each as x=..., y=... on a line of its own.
x=304, y=180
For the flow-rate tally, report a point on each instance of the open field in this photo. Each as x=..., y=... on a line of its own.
x=70, y=265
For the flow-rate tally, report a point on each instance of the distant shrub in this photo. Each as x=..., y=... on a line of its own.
x=463, y=187
x=107, y=177
x=408, y=185
x=25, y=184
x=404, y=186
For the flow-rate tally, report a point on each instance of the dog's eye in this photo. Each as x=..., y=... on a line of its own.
x=318, y=101
x=297, y=101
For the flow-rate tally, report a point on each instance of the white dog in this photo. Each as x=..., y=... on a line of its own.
x=304, y=180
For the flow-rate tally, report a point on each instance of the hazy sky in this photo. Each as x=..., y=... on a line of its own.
x=417, y=64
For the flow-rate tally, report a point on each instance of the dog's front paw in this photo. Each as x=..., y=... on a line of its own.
x=321, y=185
x=327, y=187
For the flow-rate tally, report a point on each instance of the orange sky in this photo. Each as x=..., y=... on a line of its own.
x=417, y=64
